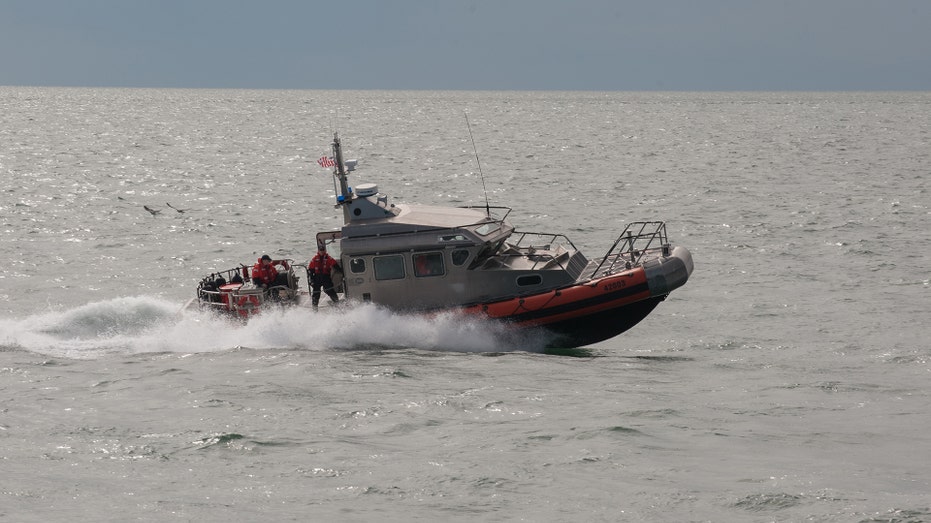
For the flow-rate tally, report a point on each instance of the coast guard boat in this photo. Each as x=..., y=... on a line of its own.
x=428, y=259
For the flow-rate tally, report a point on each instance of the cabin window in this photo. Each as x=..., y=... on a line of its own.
x=529, y=279
x=429, y=264
x=357, y=265
x=460, y=256
x=453, y=238
x=388, y=267
x=488, y=228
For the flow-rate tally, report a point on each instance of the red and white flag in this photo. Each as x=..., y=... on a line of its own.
x=326, y=161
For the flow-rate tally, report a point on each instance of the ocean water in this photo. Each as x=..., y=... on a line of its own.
x=789, y=380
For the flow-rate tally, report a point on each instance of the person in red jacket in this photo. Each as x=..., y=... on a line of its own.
x=320, y=273
x=264, y=273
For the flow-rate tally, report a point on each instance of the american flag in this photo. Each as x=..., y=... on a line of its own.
x=326, y=161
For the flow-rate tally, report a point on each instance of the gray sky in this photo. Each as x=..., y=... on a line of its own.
x=469, y=44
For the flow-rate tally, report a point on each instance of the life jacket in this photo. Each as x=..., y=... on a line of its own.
x=264, y=274
x=321, y=264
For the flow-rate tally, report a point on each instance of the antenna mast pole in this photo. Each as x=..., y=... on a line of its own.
x=487, y=206
x=340, y=172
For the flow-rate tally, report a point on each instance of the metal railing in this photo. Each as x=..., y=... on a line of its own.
x=210, y=293
x=543, y=250
x=636, y=240
x=542, y=241
x=208, y=289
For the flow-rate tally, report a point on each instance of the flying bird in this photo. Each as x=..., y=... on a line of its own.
x=151, y=210
x=175, y=208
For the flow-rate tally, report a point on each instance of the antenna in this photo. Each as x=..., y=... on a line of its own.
x=487, y=206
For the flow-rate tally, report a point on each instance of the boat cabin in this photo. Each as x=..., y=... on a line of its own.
x=426, y=257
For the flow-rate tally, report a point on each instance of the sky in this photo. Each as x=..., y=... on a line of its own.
x=592, y=45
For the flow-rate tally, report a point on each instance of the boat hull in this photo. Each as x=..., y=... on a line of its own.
x=599, y=326
x=598, y=309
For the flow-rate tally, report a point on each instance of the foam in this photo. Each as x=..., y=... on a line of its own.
x=144, y=324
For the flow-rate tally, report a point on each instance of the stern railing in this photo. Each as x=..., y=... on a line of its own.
x=208, y=290
x=210, y=295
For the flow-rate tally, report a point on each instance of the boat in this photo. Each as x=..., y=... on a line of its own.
x=427, y=259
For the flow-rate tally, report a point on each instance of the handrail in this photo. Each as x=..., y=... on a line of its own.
x=209, y=285
x=550, y=242
x=212, y=299
x=538, y=247
x=553, y=237
x=215, y=279
x=635, y=240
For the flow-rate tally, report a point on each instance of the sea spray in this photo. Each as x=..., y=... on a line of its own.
x=144, y=324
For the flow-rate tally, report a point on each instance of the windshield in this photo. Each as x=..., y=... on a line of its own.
x=488, y=228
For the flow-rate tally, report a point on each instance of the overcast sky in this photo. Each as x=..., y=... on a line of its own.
x=469, y=44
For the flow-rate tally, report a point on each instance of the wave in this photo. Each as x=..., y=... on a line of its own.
x=143, y=324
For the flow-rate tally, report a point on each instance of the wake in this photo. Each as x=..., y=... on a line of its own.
x=138, y=325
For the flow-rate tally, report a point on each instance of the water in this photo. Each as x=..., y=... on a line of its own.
x=787, y=381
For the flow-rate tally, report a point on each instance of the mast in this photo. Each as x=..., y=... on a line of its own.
x=345, y=192
x=487, y=205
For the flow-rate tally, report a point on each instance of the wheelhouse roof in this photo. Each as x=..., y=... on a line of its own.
x=414, y=217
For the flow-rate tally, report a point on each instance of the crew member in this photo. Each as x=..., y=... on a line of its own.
x=320, y=272
x=264, y=273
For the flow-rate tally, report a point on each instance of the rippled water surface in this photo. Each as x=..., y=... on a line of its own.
x=789, y=380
